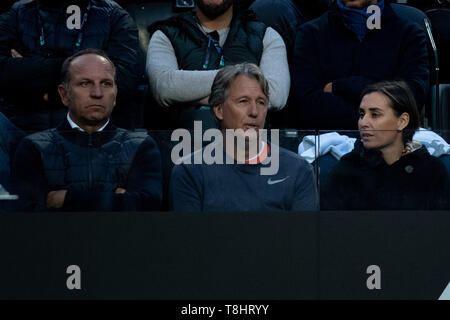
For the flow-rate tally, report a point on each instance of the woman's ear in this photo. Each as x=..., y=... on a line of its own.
x=403, y=121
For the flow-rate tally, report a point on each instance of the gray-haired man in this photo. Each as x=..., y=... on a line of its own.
x=239, y=98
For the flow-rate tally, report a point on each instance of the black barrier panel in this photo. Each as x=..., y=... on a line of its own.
x=159, y=256
x=411, y=249
x=250, y=256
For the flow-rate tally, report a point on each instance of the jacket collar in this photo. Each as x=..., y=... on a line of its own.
x=95, y=139
x=335, y=15
x=374, y=158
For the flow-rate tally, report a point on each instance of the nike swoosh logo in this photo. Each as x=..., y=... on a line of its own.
x=270, y=181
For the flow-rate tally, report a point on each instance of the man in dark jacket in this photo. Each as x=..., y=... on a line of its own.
x=35, y=38
x=336, y=56
x=86, y=163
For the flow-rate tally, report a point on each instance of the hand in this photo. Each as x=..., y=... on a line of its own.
x=15, y=54
x=55, y=199
x=120, y=191
x=328, y=88
x=45, y=97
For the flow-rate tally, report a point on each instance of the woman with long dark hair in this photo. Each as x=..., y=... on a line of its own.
x=387, y=169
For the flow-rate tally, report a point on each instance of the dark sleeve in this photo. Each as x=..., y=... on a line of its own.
x=414, y=65
x=10, y=135
x=351, y=88
x=143, y=187
x=413, y=68
x=441, y=183
x=306, y=197
x=283, y=16
x=185, y=194
x=29, y=180
x=123, y=48
x=319, y=108
x=35, y=73
x=336, y=190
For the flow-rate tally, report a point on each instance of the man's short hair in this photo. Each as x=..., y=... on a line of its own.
x=65, y=74
x=226, y=75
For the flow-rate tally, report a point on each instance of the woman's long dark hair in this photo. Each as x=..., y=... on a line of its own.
x=401, y=99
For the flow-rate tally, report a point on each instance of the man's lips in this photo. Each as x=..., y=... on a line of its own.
x=251, y=126
x=95, y=106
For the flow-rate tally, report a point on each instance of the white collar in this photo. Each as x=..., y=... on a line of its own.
x=75, y=126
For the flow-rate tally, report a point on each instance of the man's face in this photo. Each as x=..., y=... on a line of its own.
x=245, y=106
x=358, y=4
x=213, y=8
x=91, y=93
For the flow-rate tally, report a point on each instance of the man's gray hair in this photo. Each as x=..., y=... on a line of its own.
x=225, y=77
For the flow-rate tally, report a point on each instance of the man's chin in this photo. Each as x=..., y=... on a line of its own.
x=213, y=11
x=95, y=121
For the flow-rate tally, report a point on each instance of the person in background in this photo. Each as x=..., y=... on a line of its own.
x=37, y=36
x=186, y=52
x=387, y=170
x=337, y=55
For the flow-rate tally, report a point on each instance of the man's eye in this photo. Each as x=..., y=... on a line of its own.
x=107, y=84
x=262, y=102
x=375, y=115
x=84, y=83
x=361, y=115
x=243, y=101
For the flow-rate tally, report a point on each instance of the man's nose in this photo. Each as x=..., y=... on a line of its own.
x=96, y=91
x=253, y=109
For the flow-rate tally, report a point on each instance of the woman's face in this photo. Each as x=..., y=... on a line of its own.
x=378, y=125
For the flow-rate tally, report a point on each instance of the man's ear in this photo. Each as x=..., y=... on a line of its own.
x=403, y=121
x=115, y=95
x=218, y=111
x=64, y=94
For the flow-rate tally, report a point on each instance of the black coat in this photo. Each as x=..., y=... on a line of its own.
x=327, y=51
x=90, y=167
x=362, y=180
